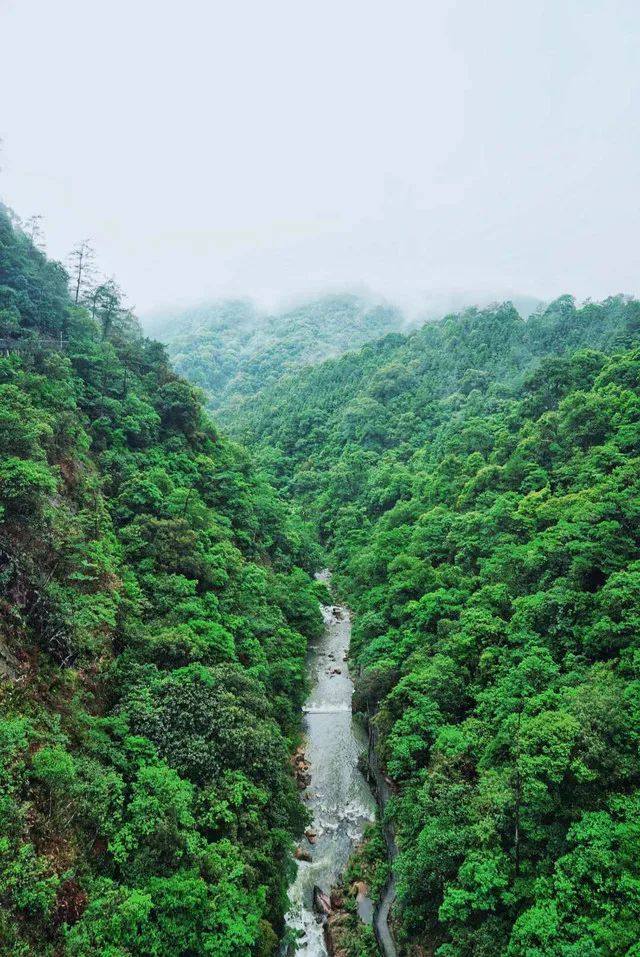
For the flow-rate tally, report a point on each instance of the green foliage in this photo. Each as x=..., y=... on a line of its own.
x=233, y=352
x=156, y=607
x=476, y=484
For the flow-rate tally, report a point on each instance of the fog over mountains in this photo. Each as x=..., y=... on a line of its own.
x=231, y=348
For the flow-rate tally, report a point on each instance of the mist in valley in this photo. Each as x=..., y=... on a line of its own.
x=431, y=156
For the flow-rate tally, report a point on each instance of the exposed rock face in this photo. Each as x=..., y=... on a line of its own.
x=335, y=919
x=335, y=922
x=337, y=900
x=9, y=664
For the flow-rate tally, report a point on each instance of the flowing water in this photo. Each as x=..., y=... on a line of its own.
x=338, y=797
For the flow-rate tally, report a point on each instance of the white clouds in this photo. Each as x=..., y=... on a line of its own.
x=214, y=147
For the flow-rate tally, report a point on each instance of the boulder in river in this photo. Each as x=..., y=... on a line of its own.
x=301, y=855
x=321, y=902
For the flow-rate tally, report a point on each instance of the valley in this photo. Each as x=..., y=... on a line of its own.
x=168, y=648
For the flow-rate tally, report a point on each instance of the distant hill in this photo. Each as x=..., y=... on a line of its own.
x=441, y=304
x=232, y=350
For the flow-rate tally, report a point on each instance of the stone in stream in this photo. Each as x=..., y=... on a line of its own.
x=301, y=768
x=301, y=855
x=321, y=902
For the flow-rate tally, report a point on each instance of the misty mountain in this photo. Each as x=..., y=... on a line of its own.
x=233, y=350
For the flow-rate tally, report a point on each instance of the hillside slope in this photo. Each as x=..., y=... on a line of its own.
x=154, y=615
x=478, y=485
x=233, y=351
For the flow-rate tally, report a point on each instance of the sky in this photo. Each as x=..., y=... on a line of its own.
x=279, y=148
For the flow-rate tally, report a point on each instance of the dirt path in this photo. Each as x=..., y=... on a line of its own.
x=381, y=915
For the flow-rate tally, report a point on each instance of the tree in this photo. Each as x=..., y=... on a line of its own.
x=82, y=269
x=106, y=305
x=33, y=229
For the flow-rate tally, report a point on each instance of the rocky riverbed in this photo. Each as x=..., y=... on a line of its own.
x=338, y=796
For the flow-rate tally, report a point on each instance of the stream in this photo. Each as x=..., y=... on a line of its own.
x=339, y=797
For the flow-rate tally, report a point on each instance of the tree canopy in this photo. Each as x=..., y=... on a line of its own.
x=476, y=483
x=157, y=601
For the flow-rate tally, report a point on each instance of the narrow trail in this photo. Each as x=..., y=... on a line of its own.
x=382, y=930
x=381, y=925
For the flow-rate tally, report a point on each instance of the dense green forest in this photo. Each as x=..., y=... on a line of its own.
x=478, y=486
x=233, y=350
x=155, y=608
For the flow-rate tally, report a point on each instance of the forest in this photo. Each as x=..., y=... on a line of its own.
x=233, y=350
x=477, y=485
x=156, y=604
x=474, y=485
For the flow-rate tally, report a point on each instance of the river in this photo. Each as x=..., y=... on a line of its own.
x=339, y=797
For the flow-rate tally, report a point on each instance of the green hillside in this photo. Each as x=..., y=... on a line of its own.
x=476, y=486
x=233, y=351
x=477, y=483
x=154, y=614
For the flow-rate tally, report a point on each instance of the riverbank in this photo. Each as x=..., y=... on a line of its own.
x=333, y=787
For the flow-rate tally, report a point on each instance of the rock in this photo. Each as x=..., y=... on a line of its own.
x=301, y=855
x=311, y=835
x=299, y=759
x=300, y=768
x=332, y=935
x=9, y=664
x=337, y=900
x=321, y=902
x=336, y=671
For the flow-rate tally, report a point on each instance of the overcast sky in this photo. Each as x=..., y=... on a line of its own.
x=275, y=147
